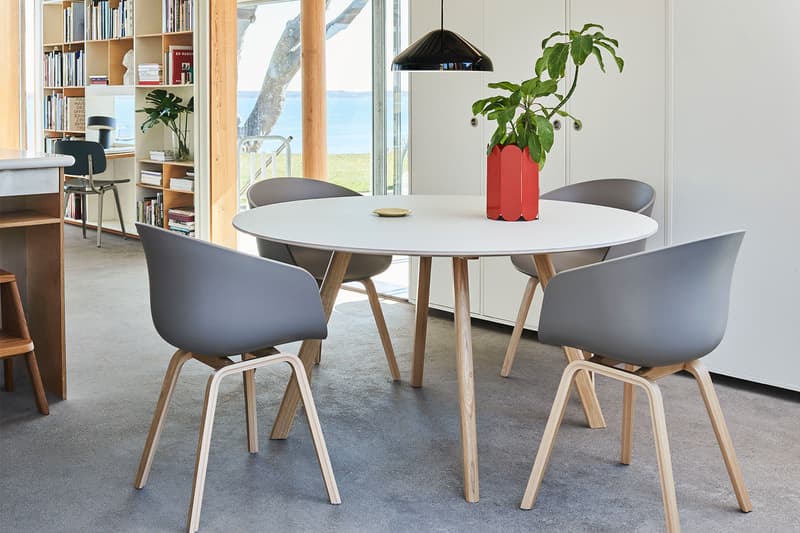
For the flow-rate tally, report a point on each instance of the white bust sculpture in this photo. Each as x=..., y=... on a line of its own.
x=127, y=62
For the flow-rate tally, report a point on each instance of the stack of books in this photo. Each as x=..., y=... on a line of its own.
x=150, y=73
x=62, y=69
x=185, y=183
x=98, y=80
x=110, y=22
x=54, y=111
x=73, y=207
x=74, y=21
x=162, y=155
x=181, y=220
x=151, y=177
x=178, y=15
x=150, y=210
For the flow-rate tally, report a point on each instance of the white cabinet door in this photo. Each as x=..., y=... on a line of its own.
x=624, y=115
x=514, y=43
x=737, y=168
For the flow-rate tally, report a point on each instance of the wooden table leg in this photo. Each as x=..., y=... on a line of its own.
x=309, y=349
x=583, y=381
x=421, y=323
x=466, y=380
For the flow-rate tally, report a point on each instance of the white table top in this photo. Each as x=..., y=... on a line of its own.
x=441, y=225
x=19, y=159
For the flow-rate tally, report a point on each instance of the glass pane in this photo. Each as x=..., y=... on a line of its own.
x=350, y=102
x=269, y=106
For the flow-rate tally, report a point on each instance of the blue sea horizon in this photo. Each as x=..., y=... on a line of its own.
x=349, y=119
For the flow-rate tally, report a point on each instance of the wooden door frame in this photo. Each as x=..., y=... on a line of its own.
x=10, y=61
x=222, y=123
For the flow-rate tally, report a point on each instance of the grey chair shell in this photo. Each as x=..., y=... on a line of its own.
x=211, y=303
x=279, y=190
x=361, y=267
x=648, y=309
x=620, y=193
x=655, y=313
x=211, y=300
x=90, y=159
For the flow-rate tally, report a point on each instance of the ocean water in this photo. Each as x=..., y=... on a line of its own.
x=349, y=120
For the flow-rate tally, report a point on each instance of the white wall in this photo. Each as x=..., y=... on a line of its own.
x=736, y=86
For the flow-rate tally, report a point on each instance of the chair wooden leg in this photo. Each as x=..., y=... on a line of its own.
x=170, y=378
x=328, y=292
x=8, y=374
x=664, y=460
x=249, y=378
x=203, y=446
x=548, y=437
x=583, y=381
x=36, y=381
x=421, y=320
x=628, y=409
x=519, y=326
x=316, y=430
x=383, y=331
x=698, y=370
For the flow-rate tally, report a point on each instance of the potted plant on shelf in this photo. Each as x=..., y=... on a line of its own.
x=169, y=110
x=524, y=135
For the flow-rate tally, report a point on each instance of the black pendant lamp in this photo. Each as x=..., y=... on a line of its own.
x=442, y=50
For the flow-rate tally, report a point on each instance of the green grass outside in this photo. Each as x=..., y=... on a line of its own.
x=353, y=171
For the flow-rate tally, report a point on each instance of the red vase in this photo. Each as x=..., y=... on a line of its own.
x=512, y=184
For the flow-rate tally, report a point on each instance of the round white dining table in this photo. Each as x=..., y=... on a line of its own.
x=439, y=226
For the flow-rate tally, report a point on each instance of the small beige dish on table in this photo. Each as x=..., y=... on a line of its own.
x=391, y=212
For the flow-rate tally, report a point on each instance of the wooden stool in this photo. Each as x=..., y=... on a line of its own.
x=15, y=339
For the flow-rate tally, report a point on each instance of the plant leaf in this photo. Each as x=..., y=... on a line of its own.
x=599, y=56
x=544, y=131
x=554, y=34
x=557, y=62
x=507, y=85
x=581, y=48
x=590, y=25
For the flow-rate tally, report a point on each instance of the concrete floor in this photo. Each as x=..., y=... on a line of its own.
x=395, y=450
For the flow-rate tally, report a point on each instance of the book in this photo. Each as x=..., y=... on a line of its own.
x=75, y=112
x=162, y=155
x=149, y=177
x=150, y=73
x=181, y=184
x=180, y=64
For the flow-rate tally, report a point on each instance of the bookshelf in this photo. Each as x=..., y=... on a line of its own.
x=87, y=42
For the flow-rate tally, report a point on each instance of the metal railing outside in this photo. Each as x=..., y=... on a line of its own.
x=261, y=163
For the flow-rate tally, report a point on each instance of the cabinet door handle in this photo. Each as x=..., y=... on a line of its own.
x=473, y=122
x=577, y=126
x=556, y=124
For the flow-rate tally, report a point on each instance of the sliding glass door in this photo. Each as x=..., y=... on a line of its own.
x=367, y=104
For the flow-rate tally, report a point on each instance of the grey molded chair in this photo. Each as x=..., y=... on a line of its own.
x=655, y=313
x=212, y=303
x=621, y=193
x=90, y=159
x=361, y=268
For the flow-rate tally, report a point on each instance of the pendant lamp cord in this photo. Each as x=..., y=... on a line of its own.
x=442, y=14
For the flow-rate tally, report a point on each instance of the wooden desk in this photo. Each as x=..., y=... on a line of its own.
x=31, y=246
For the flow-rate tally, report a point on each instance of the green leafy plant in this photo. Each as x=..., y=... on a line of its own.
x=523, y=117
x=168, y=109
